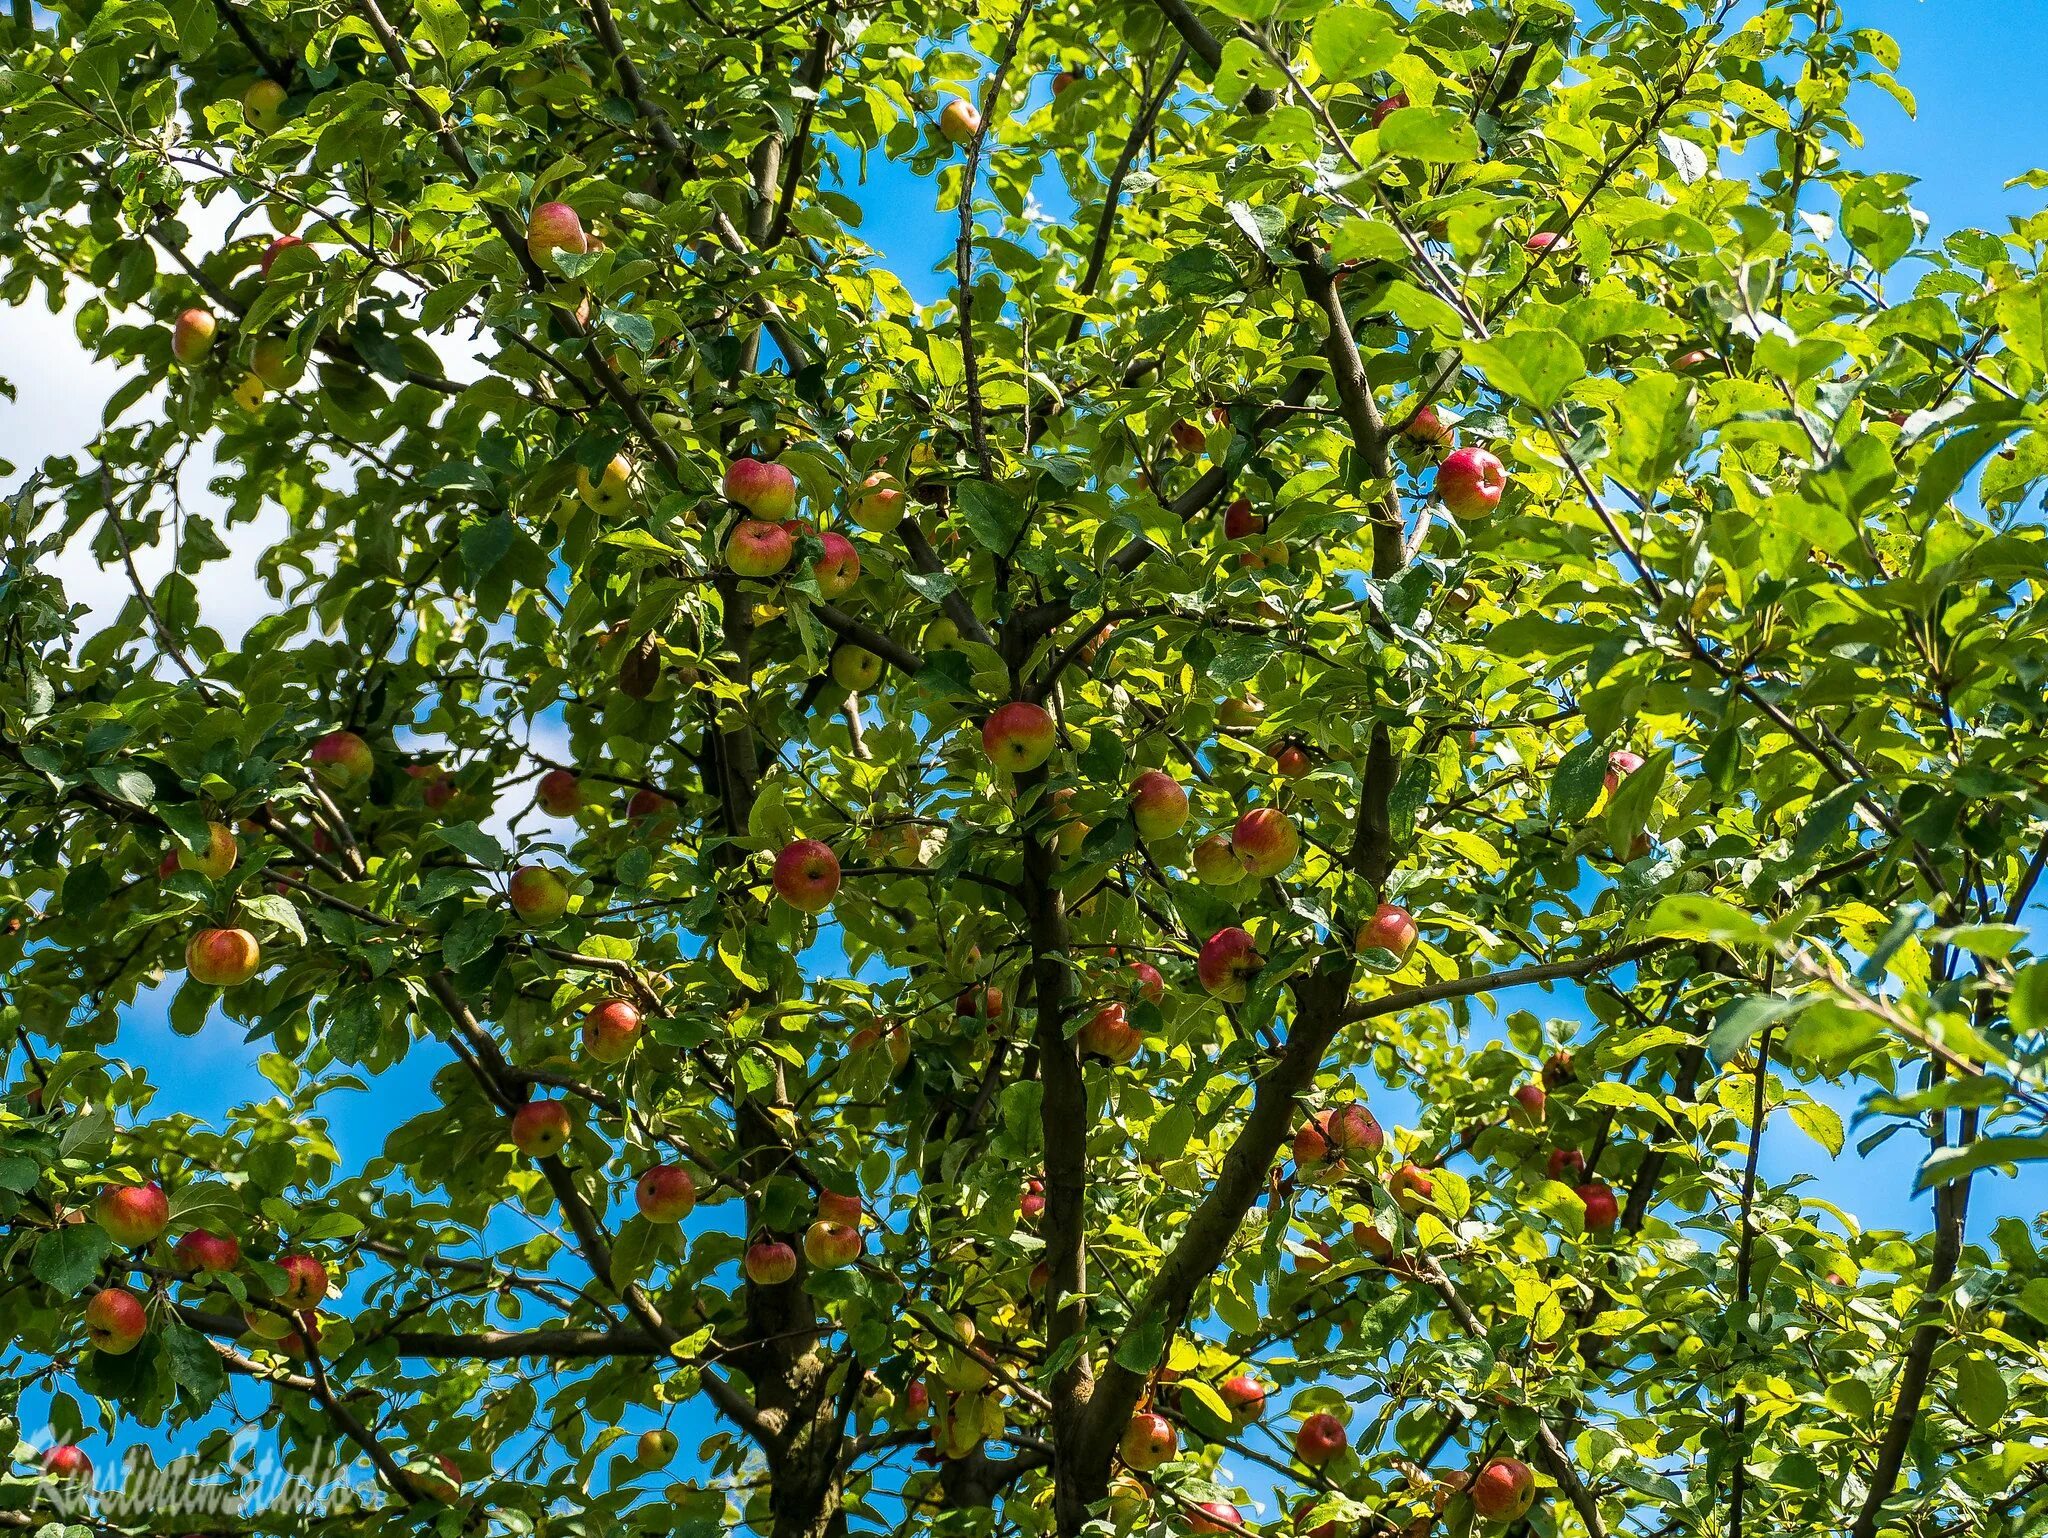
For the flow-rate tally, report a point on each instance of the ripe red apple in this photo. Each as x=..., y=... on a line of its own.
x=655, y=1449
x=1150, y=985
x=274, y=250
x=1216, y=862
x=829, y=1245
x=1239, y=521
x=541, y=1128
x=1018, y=736
x=305, y=1283
x=1245, y=1397
x=756, y=548
x=611, y=1029
x=1469, y=482
x=202, y=1251
x=1542, y=240
x=192, y=337
x=133, y=1215
x=222, y=958
x=645, y=803
x=114, y=1321
x=554, y=227
x=1264, y=842
x=612, y=491
x=1686, y=362
x=1214, y=1517
x=558, y=793
x=895, y=1039
x=806, y=875
x=979, y=1003
x=878, y=505
x=1031, y=1205
x=1621, y=763
x=68, y=1463
x=1504, y=1490
x=1426, y=426
x=841, y=1207
x=1108, y=1034
x=1187, y=437
x=537, y=895
x=1148, y=1441
x=1390, y=929
x=1601, y=1208
x=342, y=760
x=762, y=487
x=1227, y=960
x=1063, y=80
x=1159, y=807
x=1565, y=1164
x=1530, y=1105
x=769, y=1262
x=436, y=788
x=1411, y=1188
x=959, y=121
x=665, y=1194
x=1374, y=1243
x=838, y=569
x=1351, y=1128
x=1291, y=762
x=1319, y=1439
x=1387, y=105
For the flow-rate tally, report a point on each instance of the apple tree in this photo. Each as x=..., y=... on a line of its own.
x=1174, y=891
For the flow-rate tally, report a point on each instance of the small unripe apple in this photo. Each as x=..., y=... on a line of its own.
x=611, y=1029
x=1319, y=1439
x=1245, y=1397
x=1602, y=1210
x=273, y=361
x=263, y=106
x=305, y=1282
x=1411, y=1188
x=1215, y=862
x=342, y=760
x=554, y=227
x=878, y=505
x=941, y=635
x=612, y=491
x=1265, y=842
x=769, y=1262
x=1019, y=736
x=1504, y=1490
x=201, y=1251
x=1148, y=1441
x=758, y=549
x=1159, y=806
x=1109, y=1034
x=830, y=1246
x=806, y=875
x=133, y=1216
x=192, y=337
x=855, y=668
x=1469, y=482
x=1226, y=962
x=665, y=1194
x=655, y=1449
x=537, y=895
x=222, y=958
x=115, y=1321
x=1390, y=929
x=762, y=487
x=959, y=121
x=838, y=569
x=558, y=793
x=541, y=1128
x=221, y=853
x=248, y=394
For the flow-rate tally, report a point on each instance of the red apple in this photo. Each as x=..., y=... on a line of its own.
x=1214, y=1517
x=1426, y=426
x=665, y=1194
x=959, y=121
x=537, y=894
x=1530, y=1105
x=554, y=227
x=222, y=958
x=769, y=1262
x=1264, y=842
x=829, y=1245
x=1411, y=1188
x=1387, y=105
x=1390, y=929
x=1245, y=1397
x=274, y=250
x=1239, y=521
x=762, y=487
x=1565, y=1164
x=611, y=1029
x=1150, y=985
x=342, y=760
x=1601, y=1208
x=838, y=569
x=1031, y=1205
x=1319, y=1439
x=68, y=1463
x=1687, y=362
x=878, y=505
x=1187, y=437
x=1148, y=1441
x=756, y=548
x=1108, y=1034
x=1063, y=80
x=806, y=875
x=1542, y=240
x=1374, y=1243
x=1018, y=736
x=114, y=1321
x=1227, y=960
x=841, y=1207
x=192, y=337
x=1216, y=862
x=559, y=793
x=645, y=803
x=1469, y=482
x=1292, y=761
x=1159, y=806
x=541, y=1128
x=980, y=1003
x=202, y=1251
x=1504, y=1490
x=133, y=1215
x=305, y=1283
x=1621, y=763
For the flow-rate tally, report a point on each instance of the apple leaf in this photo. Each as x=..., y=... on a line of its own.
x=67, y=1258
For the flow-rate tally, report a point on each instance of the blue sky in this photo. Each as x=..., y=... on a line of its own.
x=1974, y=66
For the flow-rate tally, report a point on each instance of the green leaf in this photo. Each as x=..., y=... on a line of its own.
x=1243, y=68
x=1203, y=272
x=1694, y=916
x=1740, y=1021
x=484, y=545
x=995, y=515
x=1944, y=1165
x=195, y=1366
x=471, y=936
x=276, y=911
x=124, y=782
x=1350, y=43
x=67, y=1258
x=208, y=1204
x=1440, y=134
x=1981, y=1393
x=468, y=839
x=1143, y=1344
x=1537, y=366
x=445, y=23
x=1576, y=785
x=1820, y=1122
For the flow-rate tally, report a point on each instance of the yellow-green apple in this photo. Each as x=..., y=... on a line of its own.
x=1244, y=1397
x=1227, y=960
x=1158, y=804
x=1215, y=862
x=1469, y=482
x=1390, y=929
x=558, y=793
x=762, y=487
x=1319, y=1439
x=959, y=121
x=1240, y=713
x=263, y=106
x=1411, y=1188
x=1504, y=1490
x=192, y=336
x=274, y=250
x=1109, y=1034
x=67, y=1462
x=838, y=569
x=273, y=361
x=878, y=505
x=267, y=1323
x=222, y=958
x=769, y=1262
x=1146, y=979
x=830, y=1246
x=855, y=668
x=611, y=491
x=221, y=853
x=1621, y=763
x=611, y=1029
x=806, y=875
x=537, y=894
x=305, y=1282
x=655, y=1449
x=553, y=227
x=114, y=1321
x=133, y=1216
x=1264, y=842
x=665, y=1194
x=1566, y=1164
x=756, y=548
x=1529, y=1105
x=202, y=1251
x=1148, y=1441
x=941, y=635
x=1018, y=736
x=1240, y=522
x=248, y=394
x=541, y=1128
x=1601, y=1208
x=342, y=760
